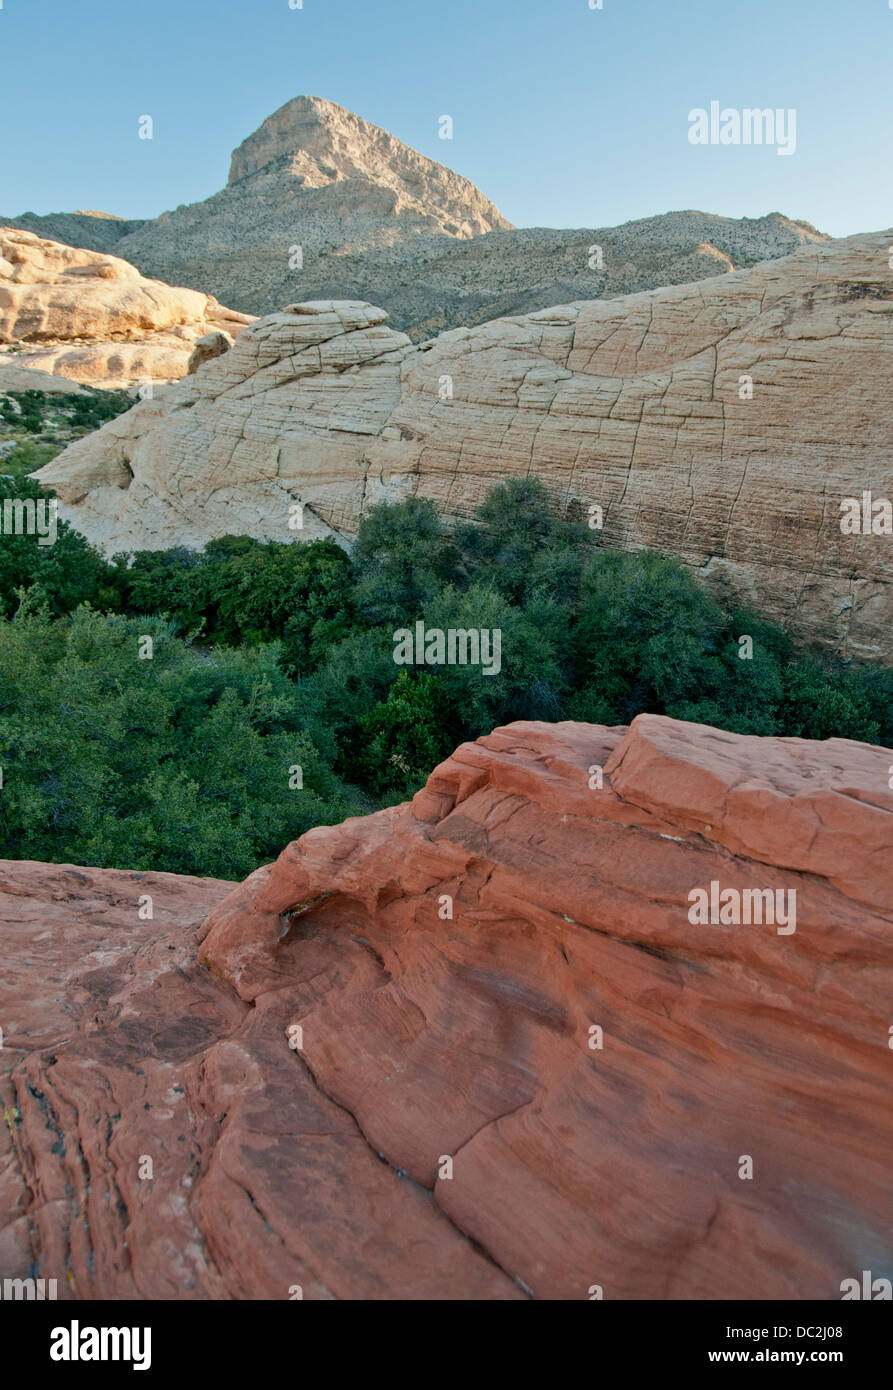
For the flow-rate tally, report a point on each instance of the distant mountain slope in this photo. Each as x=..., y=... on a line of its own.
x=322, y=205
x=448, y=285
x=90, y=231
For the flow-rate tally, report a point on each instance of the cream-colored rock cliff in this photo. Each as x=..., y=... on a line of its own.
x=93, y=318
x=722, y=422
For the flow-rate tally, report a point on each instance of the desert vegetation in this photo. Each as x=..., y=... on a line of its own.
x=271, y=701
x=36, y=425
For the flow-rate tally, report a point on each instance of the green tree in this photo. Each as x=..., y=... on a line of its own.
x=746, y=693
x=67, y=571
x=402, y=557
x=184, y=761
x=823, y=703
x=647, y=635
x=531, y=679
x=240, y=590
x=517, y=545
x=406, y=735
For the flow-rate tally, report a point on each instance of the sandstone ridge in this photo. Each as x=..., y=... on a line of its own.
x=300, y=1066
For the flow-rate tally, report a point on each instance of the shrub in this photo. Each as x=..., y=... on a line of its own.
x=27, y=456
x=406, y=736
x=67, y=572
x=180, y=762
x=402, y=557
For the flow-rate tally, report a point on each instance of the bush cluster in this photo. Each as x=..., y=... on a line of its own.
x=271, y=656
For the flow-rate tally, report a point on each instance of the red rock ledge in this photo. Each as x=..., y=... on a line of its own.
x=431, y=1043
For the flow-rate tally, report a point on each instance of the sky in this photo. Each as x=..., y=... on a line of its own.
x=564, y=115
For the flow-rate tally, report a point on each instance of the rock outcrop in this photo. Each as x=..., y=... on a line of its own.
x=93, y=318
x=476, y=1046
x=212, y=345
x=14, y=378
x=722, y=422
x=321, y=204
x=325, y=376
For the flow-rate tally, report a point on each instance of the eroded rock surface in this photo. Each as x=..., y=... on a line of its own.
x=445, y=964
x=93, y=318
x=722, y=422
x=286, y=416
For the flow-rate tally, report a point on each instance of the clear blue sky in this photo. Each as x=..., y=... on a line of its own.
x=564, y=116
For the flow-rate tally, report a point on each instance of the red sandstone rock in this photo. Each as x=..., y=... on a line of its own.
x=426, y=1037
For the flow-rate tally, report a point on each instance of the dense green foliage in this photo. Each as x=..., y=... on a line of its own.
x=271, y=656
x=242, y=591
x=24, y=408
x=27, y=456
x=36, y=425
x=83, y=411
x=182, y=761
x=65, y=573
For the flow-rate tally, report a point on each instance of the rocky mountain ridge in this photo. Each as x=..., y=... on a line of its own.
x=321, y=204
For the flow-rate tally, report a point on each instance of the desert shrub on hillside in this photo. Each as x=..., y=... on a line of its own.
x=182, y=761
x=27, y=456
x=24, y=409
x=88, y=412
x=74, y=412
x=269, y=655
x=67, y=572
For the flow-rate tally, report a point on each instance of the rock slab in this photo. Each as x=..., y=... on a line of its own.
x=93, y=318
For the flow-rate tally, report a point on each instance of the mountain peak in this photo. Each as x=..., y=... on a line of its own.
x=318, y=144
x=306, y=123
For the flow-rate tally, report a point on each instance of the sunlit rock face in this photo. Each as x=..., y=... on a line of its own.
x=87, y=317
